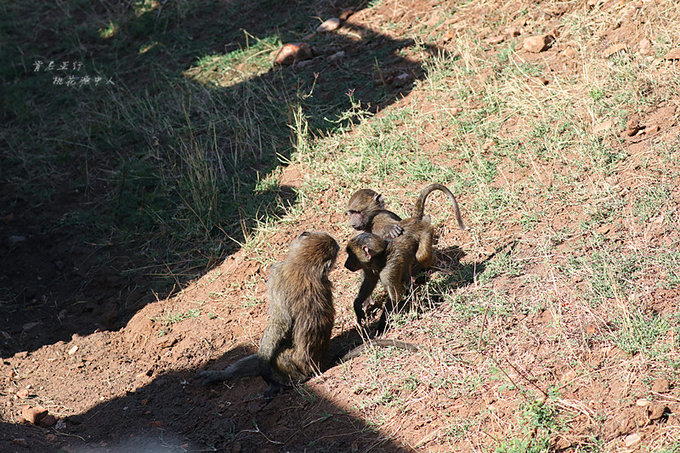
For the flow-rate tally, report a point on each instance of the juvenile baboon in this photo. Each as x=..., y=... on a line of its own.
x=366, y=209
x=295, y=343
x=387, y=261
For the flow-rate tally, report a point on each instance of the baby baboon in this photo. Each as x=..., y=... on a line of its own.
x=387, y=261
x=295, y=343
x=367, y=212
x=366, y=209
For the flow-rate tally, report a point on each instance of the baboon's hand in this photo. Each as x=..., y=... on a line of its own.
x=394, y=230
x=208, y=377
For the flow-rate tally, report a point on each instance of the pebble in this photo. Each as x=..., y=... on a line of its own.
x=292, y=52
x=632, y=440
x=23, y=393
x=645, y=47
x=674, y=54
x=661, y=385
x=656, y=411
x=535, y=44
x=569, y=52
x=20, y=441
x=329, y=25
x=33, y=414
x=632, y=125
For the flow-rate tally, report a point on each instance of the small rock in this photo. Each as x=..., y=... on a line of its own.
x=20, y=441
x=401, y=80
x=33, y=414
x=632, y=125
x=616, y=48
x=674, y=54
x=337, y=55
x=299, y=65
x=23, y=393
x=656, y=411
x=569, y=52
x=329, y=25
x=661, y=385
x=535, y=44
x=642, y=402
x=29, y=325
x=645, y=47
x=292, y=52
x=604, y=229
x=73, y=350
x=652, y=129
x=591, y=329
x=562, y=443
x=632, y=440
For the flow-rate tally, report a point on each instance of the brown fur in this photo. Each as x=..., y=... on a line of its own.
x=295, y=343
x=390, y=262
x=367, y=212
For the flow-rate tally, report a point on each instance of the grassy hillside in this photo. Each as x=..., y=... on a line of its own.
x=550, y=324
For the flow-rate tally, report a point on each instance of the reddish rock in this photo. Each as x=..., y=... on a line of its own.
x=33, y=414
x=293, y=52
x=23, y=393
x=537, y=44
x=661, y=385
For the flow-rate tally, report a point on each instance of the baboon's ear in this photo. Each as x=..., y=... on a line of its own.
x=303, y=234
x=379, y=199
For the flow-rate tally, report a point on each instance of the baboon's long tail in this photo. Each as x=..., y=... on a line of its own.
x=245, y=367
x=420, y=202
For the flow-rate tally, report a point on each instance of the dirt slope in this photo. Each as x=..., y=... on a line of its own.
x=132, y=390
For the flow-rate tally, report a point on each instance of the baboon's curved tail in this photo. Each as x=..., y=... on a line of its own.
x=420, y=202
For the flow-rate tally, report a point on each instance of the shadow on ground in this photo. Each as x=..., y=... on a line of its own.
x=176, y=413
x=116, y=193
